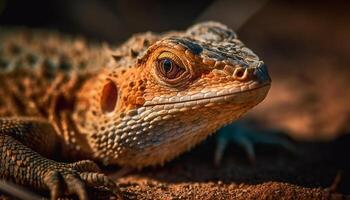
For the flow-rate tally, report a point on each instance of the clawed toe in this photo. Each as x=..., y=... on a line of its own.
x=53, y=181
x=100, y=180
x=85, y=166
x=75, y=186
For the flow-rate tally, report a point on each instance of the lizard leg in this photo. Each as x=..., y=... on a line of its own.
x=23, y=144
x=247, y=137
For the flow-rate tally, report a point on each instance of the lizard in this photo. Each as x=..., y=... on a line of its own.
x=138, y=104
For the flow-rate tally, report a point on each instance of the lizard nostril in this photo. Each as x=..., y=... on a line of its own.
x=109, y=97
x=240, y=74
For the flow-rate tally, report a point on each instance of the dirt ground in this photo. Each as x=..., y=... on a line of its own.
x=319, y=171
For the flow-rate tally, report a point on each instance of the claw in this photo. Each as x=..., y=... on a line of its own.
x=248, y=146
x=221, y=145
x=76, y=186
x=53, y=181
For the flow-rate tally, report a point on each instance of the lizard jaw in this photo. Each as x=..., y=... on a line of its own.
x=168, y=130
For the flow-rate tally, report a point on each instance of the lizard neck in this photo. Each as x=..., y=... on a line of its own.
x=60, y=113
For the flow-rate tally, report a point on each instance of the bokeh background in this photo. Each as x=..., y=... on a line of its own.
x=306, y=45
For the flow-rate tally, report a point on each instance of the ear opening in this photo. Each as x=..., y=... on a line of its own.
x=109, y=97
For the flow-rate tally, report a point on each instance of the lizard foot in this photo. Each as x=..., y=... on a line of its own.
x=246, y=137
x=72, y=179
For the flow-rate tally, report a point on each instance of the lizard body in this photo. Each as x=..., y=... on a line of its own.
x=140, y=104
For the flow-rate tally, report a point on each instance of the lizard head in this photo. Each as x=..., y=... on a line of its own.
x=179, y=88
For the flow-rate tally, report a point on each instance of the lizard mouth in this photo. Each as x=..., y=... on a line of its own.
x=210, y=97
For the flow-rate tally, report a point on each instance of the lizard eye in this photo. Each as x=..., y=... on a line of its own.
x=169, y=69
x=169, y=66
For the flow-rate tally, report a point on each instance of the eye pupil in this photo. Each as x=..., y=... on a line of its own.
x=169, y=69
x=167, y=64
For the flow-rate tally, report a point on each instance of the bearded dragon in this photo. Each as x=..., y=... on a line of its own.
x=140, y=104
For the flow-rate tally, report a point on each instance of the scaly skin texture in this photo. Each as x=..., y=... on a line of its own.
x=140, y=104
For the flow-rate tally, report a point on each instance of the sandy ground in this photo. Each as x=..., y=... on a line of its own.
x=319, y=171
